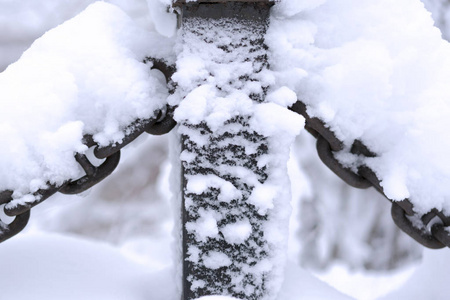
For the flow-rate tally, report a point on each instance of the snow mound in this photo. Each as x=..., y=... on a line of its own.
x=376, y=71
x=92, y=270
x=62, y=267
x=86, y=76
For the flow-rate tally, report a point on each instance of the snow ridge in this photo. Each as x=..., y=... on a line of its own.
x=376, y=71
x=86, y=76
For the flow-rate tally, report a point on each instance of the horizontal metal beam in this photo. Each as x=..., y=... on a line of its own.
x=248, y=10
x=182, y=2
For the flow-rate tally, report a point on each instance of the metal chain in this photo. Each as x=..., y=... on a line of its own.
x=431, y=230
x=19, y=223
x=162, y=122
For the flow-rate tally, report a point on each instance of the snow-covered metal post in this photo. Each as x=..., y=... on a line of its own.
x=232, y=173
x=222, y=236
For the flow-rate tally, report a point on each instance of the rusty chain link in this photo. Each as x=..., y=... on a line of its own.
x=162, y=122
x=19, y=223
x=432, y=230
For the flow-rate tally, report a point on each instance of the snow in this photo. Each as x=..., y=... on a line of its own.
x=83, y=77
x=93, y=270
x=88, y=270
x=367, y=285
x=162, y=18
x=200, y=183
x=386, y=87
x=237, y=232
x=206, y=225
x=215, y=260
x=367, y=81
x=429, y=281
x=262, y=198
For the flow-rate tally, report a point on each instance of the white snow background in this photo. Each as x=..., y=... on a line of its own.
x=374, y=70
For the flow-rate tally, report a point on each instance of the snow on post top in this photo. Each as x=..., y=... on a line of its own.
x=83, y=77
x=377, y=71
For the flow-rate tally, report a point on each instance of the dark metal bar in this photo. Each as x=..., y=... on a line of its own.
x=224, y=148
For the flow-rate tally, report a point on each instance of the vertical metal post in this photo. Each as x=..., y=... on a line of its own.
x=216, y=260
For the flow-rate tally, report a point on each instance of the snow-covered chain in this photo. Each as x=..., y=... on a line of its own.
x=419, y=226
x=75, y=98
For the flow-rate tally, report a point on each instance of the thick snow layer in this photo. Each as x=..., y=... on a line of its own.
x=93, y=270
x=62, y=267
x=83, y=77
x=24, y=21
x=376, y=71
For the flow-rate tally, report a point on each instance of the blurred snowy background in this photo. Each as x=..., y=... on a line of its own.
x=344, y=235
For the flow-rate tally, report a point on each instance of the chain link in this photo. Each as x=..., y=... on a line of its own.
x=434, y=236
x=93, y=174
x=406, y=224
x=136, y=129
x=441, y=233
x=13, y=228
x=327, y=157
x=13, y=210
x=19, y=223
x=317, y=127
